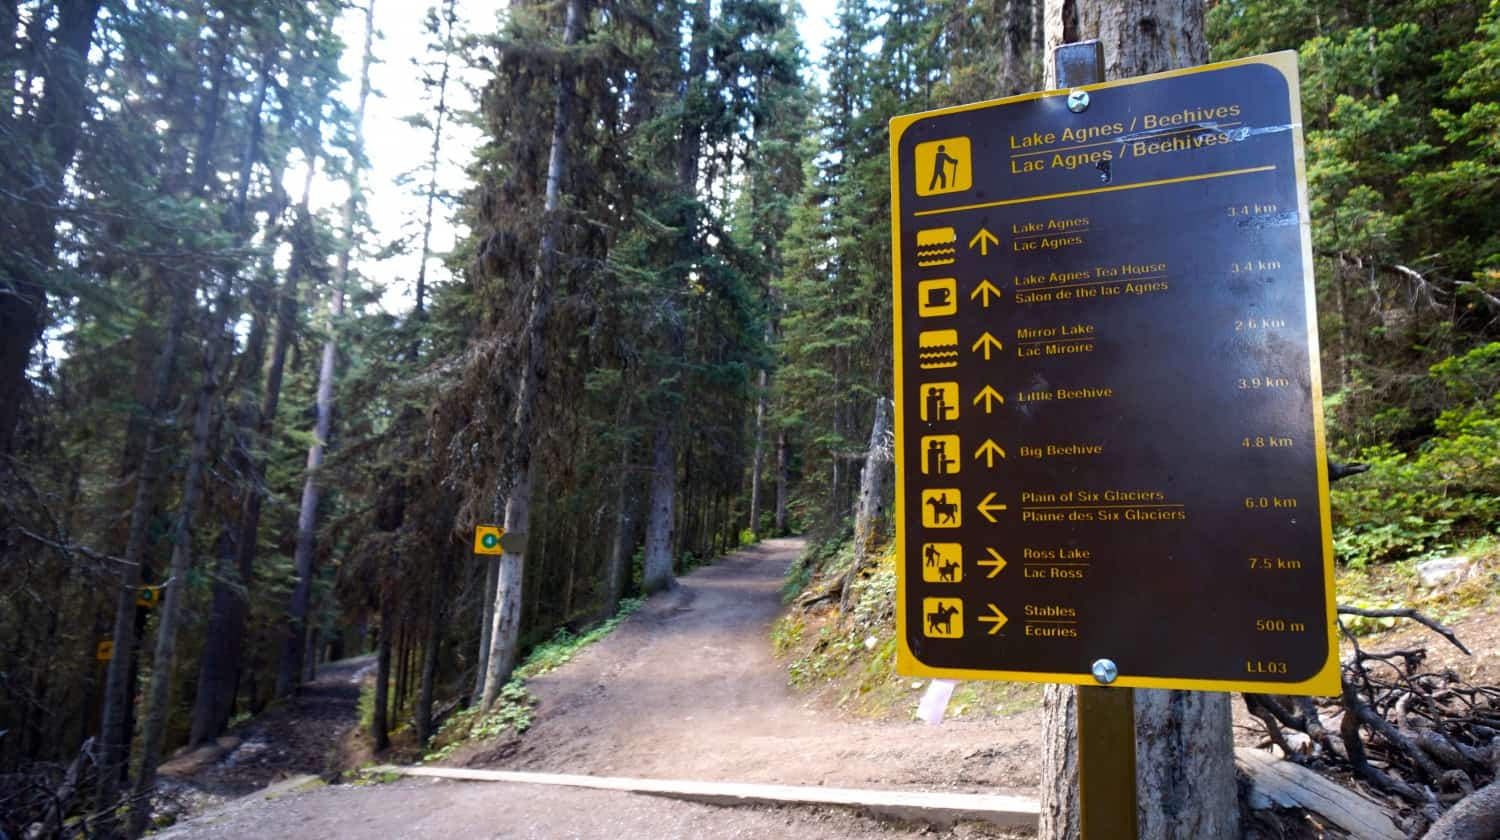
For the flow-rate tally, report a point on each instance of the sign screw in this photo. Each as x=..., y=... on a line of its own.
x=1078, y=101
x=1104, y=669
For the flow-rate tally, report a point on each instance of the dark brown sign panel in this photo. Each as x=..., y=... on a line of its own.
x=1109, y=435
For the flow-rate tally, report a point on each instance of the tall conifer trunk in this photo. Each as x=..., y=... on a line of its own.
x=224, y=645
x=661, y=518
x=1185, y=787
x=289, y=671
x=57, y=129
x=506, y=615
x=117, y=727
x=216, y=364
x=758, y=459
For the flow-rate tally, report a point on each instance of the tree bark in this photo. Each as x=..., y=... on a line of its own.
x=224, y=645
x=486, y=621
x=757, y=460
x=1184, y=743
x=656, y=572
x=505, y=621
x=1061, y=810
x=57, y=127
x=115, y=731
x=621, y=542
x=1475, y=817
x=290, y=669
x=432, y=645
x=163, y=662
x=1184, y=765
x=379, y=726
x=781, y=479
x=869, y=485
x=216, y=364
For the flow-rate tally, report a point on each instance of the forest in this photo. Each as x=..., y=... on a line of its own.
x=664, y=331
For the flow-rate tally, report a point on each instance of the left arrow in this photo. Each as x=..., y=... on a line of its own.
x=985, y=239
x=988, y=343
x=987, y=507
x=996, y=618
x=988, y=450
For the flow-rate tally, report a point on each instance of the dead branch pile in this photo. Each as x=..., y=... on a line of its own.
x=1423, y=740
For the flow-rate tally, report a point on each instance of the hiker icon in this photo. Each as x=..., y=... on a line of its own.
x=943, y=166
x=942, y=618
x=942, y=562
x=940, y=165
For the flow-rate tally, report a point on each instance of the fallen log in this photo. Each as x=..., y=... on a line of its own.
x=1475, y=817
x=1290, y=785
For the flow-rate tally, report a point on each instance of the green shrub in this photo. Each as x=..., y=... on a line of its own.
x=1445, y=490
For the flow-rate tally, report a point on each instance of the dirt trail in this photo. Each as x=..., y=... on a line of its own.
x=298, y=736
x=688, y=689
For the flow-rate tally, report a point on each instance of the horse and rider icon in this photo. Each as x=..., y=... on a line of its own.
x=942, y=618
x=941, y=508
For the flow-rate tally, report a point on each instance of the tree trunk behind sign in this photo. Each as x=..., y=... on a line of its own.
x=1184, y=745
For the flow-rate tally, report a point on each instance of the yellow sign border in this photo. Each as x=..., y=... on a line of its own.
x=1327, y=680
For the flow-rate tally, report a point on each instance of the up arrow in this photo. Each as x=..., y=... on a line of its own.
x=988, y=450
x=996, y=618
x=988, y=342
x=987, y=289
x=985, y=240
x=997, y=563
x=987, y=509
x=989, y=396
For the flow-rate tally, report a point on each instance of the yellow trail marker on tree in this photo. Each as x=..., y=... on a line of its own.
x=487, y=539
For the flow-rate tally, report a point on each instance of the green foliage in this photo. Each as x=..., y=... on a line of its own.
x=833, y=552
x=1446, y=490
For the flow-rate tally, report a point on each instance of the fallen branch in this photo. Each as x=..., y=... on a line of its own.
x=1407, y=612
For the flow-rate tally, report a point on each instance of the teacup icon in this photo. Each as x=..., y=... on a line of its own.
x=937, y=297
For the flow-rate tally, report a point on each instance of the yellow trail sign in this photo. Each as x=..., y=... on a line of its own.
x=487, y=539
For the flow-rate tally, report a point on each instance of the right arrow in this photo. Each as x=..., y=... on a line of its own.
x=986, y=508
x=988, y=450
x=987, y=289
x=997, y=618
x=990, y=396
x=998, y=563
x=987, y=342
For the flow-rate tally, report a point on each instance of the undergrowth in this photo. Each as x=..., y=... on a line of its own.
x=850, y=656
x=1396, y=584
x=513, y=709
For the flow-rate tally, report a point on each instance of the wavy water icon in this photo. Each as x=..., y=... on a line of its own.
x=936, y=246
x=937, y=349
